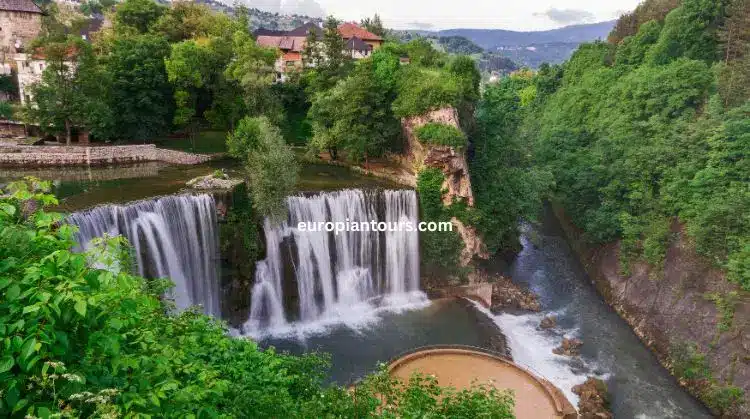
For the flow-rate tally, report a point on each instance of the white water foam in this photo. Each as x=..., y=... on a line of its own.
x=532, y=348
x=345, y=278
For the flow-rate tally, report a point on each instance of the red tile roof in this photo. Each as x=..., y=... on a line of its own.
x=284, y=43
x=350, y=30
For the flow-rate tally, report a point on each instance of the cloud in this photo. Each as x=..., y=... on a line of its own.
x=273, y=6
x=567, y=16
x=424, y=26
x=303, y=7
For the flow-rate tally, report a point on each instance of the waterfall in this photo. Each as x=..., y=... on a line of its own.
x=336, y=274
x=174, y=237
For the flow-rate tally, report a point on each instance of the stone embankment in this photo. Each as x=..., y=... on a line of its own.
x=30, y=156
x=688, y=303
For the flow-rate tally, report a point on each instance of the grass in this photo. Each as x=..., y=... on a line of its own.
x=206, y=142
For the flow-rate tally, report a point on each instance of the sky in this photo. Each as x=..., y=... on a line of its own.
x=523, y=15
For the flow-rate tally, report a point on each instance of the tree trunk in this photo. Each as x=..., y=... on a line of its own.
x=67, y=132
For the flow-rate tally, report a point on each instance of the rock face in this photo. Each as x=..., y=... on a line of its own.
x=213, y=182
x=569, y=347
x=548, y=322
x=473, y=244
x=455, y=168
x=674, y=310
x=508, y=296
x=593, y=403
x=451, y=162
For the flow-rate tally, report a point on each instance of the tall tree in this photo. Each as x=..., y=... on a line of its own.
x=335, y=63
x=70, y=93
x=374, y=25
x=141, y=96
x=138, y=14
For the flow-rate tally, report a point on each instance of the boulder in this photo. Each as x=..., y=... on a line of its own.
x=569, y=347
x=507, y=295
x=548, y=322
x=594, y=402
x=214, y=181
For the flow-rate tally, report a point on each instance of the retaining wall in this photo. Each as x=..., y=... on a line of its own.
x=20, y=155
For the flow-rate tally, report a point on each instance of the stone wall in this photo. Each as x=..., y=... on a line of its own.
x=451, y=162
x=23, y=26
x=455, y=168
x=20, y=155
x=9, y=129
x=673, y=306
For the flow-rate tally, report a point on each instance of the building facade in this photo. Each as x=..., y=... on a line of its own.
x=360, y=44
x=20, y=23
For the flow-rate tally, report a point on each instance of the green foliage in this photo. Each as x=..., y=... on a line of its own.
x=6, y=110
x=270, y=164
x=330, y=61
x=690, y=31
x=633, y=49
x=506, y=187
x=690, y=364
x=140, y=90
x=79, y=341
x=440, y=250
x=8, y=84
x=138, y=14
x=374, y=25
x=422, y=90
x=355, y=115
x=436, y=133
x=725, y=305
x=459, y=45
x=72, y=91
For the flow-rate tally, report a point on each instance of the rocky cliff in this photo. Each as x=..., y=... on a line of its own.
x=455, y=168
x=696, y=322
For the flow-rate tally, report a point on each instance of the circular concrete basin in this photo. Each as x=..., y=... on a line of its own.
x=459, y=367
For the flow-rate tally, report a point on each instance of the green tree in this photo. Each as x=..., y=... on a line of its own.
x=141, y=96
x=335, y=62
x=138, y=14
x=374, y=25
x=252, y=69
x=71, y=92
x=270, y=164
x=355, y=115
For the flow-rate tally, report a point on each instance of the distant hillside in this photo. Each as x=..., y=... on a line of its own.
x=492, y=39
x=526, y=48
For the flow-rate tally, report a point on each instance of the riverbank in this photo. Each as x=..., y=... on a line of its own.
x=53, y=155
x=684, y=316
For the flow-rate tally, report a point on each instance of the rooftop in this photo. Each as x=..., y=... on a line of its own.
x=350, y=30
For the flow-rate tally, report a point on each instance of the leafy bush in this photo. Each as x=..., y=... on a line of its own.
x=422, y=90
x=436, y=133
x=79, y=341
x=269, y=162
x=440, y=250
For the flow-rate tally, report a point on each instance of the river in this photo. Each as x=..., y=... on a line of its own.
x=640, y=387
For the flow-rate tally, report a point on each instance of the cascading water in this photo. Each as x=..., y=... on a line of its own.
x=174, y=237
x=337, y=274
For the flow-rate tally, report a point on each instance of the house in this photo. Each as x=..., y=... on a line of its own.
x=351, y=30
x=20, y=23
x=360, y=43
x=30, y=68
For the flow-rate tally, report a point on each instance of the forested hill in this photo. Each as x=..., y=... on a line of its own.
x=528, y=48
x=647, y=139
x=492, y=39
x=648, y=129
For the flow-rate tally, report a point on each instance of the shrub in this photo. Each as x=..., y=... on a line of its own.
x=423, y=90
x=440, y=250
x=436, y=133
x=79, y=341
